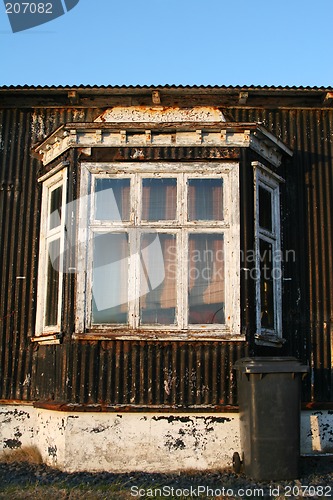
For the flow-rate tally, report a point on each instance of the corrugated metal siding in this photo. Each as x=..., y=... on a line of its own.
x=19, y=235
x=144, y=373
x=140, y=373
x=308, y=312
x=18, y=231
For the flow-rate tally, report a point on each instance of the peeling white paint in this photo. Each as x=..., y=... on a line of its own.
x=150, y=442
x=78, y=115
x=38, y=126
x=123, y=442
x=27, y=380
x=160, y=114
x=166, y=387
x=183, y=135
x=317, y=431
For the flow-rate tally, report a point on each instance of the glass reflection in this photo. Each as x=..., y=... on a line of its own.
x=110, y=278
x=112, y=200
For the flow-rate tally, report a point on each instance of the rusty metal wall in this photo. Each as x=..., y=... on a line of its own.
x=308, y=229
x=144, y=373
x=147, y=373
x=19, y=235
x=115, y=373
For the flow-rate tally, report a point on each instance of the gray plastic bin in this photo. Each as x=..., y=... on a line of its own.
x=269, y=394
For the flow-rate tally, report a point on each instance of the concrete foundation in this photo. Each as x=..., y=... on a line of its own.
x=150, y=442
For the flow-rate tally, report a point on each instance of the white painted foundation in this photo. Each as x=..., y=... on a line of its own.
x=150, y=442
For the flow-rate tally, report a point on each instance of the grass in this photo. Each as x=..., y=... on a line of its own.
x=26, y=454
x=34, y=489
x=36, y=481
x=61, y=492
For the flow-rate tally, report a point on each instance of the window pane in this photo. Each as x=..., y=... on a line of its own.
x=110, y=278
x=266, y=285
x=52, y=290
x=206, y=279
x=205, y=199
x=112, y=199
x=55, y=208
x=159, y=199
x=265, y=209
x=158, y=279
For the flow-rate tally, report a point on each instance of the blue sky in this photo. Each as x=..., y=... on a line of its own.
x=182, y=42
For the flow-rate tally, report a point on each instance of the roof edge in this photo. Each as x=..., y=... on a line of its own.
x=237, y=88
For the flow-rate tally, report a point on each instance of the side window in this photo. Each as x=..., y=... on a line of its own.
x=268, y=255
x=51, y=254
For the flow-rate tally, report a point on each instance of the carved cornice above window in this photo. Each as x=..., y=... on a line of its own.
x=161, y=114
x=160, y=133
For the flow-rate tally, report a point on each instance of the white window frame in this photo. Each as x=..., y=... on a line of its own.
x=264, y=177
x=229, y=172
x=54, y=179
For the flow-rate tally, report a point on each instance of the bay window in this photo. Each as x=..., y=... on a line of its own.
x=153, y=247
x=159, y=247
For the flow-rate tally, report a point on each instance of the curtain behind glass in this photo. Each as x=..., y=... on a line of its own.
x=159, y=199
x=205, y=199
x=206, y=278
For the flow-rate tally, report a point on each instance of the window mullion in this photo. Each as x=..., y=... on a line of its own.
x=181, y=262
x=134, y=260
x=133, y=279
x=136, y=200
x=278, y=285
x=183, y=278
x=89, y=273
x=182, y=199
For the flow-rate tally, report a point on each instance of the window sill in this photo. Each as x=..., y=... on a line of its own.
x=108, y=408
x=269, y=340
x=48, y=339
x=160, y=335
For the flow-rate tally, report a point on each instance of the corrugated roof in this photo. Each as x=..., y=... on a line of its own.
x=175, y=87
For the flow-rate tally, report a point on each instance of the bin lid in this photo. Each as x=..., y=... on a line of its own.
x=270, y=364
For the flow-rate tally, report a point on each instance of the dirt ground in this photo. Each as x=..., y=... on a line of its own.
x=24, y=480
